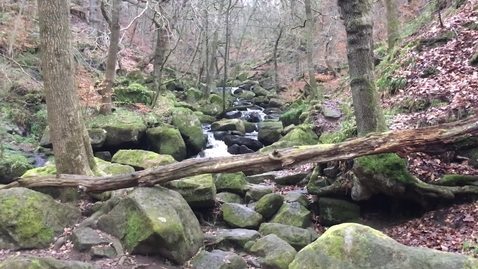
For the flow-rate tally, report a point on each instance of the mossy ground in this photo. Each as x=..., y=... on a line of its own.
x=388, y=165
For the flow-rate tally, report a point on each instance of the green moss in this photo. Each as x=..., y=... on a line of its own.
x=136, y=224
x=457, y=180
x=388, y=165
x=118, y=118
x=348, y=129
x=132, y=94
x=41, y=171
x=13, y=164
x=292, y=116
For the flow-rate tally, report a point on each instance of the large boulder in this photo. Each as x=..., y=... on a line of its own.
x=141, y=159
x=167, y=140
x=229, y=125
x=268, y=205
x=335, y=211
x=218, y=259
x=13, y=164
x=292, y=116
x=274, y=252
x=123, y=134
x=97, y=137
x=355, y=246
x=250, y=143
x=199, y=191
x=34, y=262
x=300, y=136
x=295, y=236
x=30, y=219
x=155, y=221
x=232, y=238
x=293, y=214
x=232, y=182
x=193, y=95
x=269, y=132
x=241, y=216
x=190, y=127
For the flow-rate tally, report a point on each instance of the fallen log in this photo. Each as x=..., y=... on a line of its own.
x=436, y=139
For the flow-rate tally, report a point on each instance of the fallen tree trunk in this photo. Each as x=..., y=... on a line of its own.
x=436, y=139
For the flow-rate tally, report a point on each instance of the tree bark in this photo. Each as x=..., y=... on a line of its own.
x=71, y=145
x=113, y=48
x=392, y=23
x=210, y=74
x=309, y=28
x=435, y=140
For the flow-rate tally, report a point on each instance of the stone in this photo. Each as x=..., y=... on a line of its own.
x=232, y=238
x=269, y=204
x=103, y=252
x=199, y=191
x=299, y=136
x=257, y=191
x=269, y=132
x=141, y=159
x=84, y=238
x=274, y=252
x=261, y=178
x=167, y=140
x=259, y=91
x=292, y=179
x=252, y=144
x=331, y=112
x=190, y=128
x=121, y=134
x=296, y=196
x=249, y=127
x=193, y=95
x=240, y=216
x=293, y=214
x=32, y=262
x=295, y=236
x=355, y=246
x=104, y=155
x=31, y=219
x=229, y=197
x=276, y=102
x=231, y=182
x=218, y=259
x=155, y=220
x=253, y=117
x=114, y=168
x=229, y=125
x=97, y=137
x=336, y=211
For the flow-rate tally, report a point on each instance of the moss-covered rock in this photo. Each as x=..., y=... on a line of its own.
x=247, y=95
x=218, y=259
x=269, y=204
x=32, y=262
x=229, y=197
x=292, y=115
x=299, y=136
x=231, y=182
x=141, y=159
x=113, y=168
x=97, y=137
x=12, y=165
x=229, y=125
x=293, y=214
x=167, y=140
x=155, y=221
x=31, y=219
x=132, y=94
x=249, y=126
x=336, y=211
x=193, y=95
x=232, y=238
x=190, y=128
x=203, y=118
x=355, y=246
x=259, y=91
x=295, y=236
x=257, y=191
x=274, y=252
x=269, y=132
x=199, y=191
x=240, y=216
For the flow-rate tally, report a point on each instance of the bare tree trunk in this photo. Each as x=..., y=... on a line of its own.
x=71, y=145
x=309, y=28
x=94, y=17
x=275, y=56
x=113, y=48
x=358, y=21
x=392, y=23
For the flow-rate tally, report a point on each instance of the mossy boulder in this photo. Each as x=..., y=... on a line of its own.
x=203, y=118
x=155, y=221
x=31, y=219
x=113, y=168
x=247, y=95
x=199, y=191
x=193, y=95
x=97, y=137
x=293, y=214
x=274, y=252
x=132, y=94
x=249, y=126
x=269, y=132
x=167, y=140
x=269, y=204
x=232, y=238
x=229, y=197
x=33, y=262
x=292, y=116
x=229, y=125
x=240, y=216
x=218, y=259
x=231, y=182
x=295, y=236
x=189, y=126
x=335, y=211
x=12, y=165
x=299, y=136
x=257, y=191
x=141, y=159
x=259, y=91
x=355, y=246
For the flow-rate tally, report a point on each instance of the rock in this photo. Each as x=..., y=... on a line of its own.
x=293, y=214
x=167, y=140
x=218, y=259
x=331, y=172
x=253, y=117
x=97, y=137
x=204, y=118
x=267, y=83
x=199, y=191
x=301, y=135
x=276, y=102
x=13, y=165
x=331, y=112
x=292, y=116
x=103, y=155
x=120, y=134
x=31, y=219
x=234, y=149
x=155, y=220
x=237, y=215
x=32, y=262
x=292, y=179
x=268, y=205
x=288, y=129
x=259, y=91
x=269, y=132
x=84, y=238
x=252, y=144
x=261, y=178
x=193, y=95
x=336, y=211
x=190, y=128
x=257, y=191
x=132, y=94
x=274, y=252
x=233, y=114
x=103, y=252
x=114, y=168
x=231, y=182
x=355, y=246
x=232, y=238
x=296, y=196
x=228, y=197
x=141, y=159
x=249, y=127
x=295, y=236
x=247, y=95
x=214, y=107
x=229, y=125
